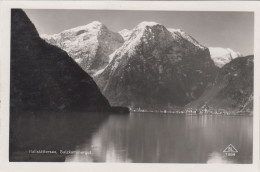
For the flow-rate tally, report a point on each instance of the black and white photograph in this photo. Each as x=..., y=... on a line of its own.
x=131, y=86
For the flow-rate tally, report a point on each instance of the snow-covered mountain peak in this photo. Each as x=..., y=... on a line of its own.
x=139, y=29
x=147, y=23
x=89, y=45
x=124, y=31
x=222, y=56
x=176, y=33
x=91, y=28
x=95, y=23
x=146, y=26
x=175, y=30
x=144, y=33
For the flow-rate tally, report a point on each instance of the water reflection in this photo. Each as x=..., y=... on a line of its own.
x=138, y=137
x=219, y=158
x=33, y=134
x=168, y=138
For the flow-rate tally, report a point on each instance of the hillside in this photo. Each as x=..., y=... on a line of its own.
x=232, y=90
x=44, y=77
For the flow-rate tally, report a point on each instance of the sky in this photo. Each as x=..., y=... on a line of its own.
x=233, y=30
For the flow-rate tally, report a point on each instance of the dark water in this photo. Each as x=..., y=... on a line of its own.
x=138, y=137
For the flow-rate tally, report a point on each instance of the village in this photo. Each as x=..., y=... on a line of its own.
x=204, y=110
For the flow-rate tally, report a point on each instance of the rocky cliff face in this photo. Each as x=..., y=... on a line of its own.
x=233, y=88
x=88, y=45
x=156, y=68
x=44, y=77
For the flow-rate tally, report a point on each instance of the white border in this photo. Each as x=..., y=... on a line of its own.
x=5, y=7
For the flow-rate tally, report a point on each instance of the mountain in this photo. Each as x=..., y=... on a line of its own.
x=183, y=38
x=125, y=33
x=156, y=68
x=44, y=77
x=222, y=56
x=89, y=45
x=148, y=67
x=233, y=88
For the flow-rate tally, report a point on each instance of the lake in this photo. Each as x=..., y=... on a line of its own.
x=137, y=138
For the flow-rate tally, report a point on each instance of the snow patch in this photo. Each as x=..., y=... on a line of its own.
x=147, y=23
x=222, y=56
x=79, y=60
x=99, y=72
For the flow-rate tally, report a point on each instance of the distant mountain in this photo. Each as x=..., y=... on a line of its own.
x=222, y=56
x=233, y=88
x=44, y=77
x=88, y=45
x=156, y=68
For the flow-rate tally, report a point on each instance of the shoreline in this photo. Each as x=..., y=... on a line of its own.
x=197, y=114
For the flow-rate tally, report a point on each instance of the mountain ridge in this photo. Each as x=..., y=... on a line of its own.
x=151, y=50
x=220, y=56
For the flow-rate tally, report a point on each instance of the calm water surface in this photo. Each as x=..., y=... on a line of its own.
x=168, y=138
x=138, y=137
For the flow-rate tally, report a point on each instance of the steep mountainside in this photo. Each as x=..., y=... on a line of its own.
x=222, y=56
x=44, y=77
x=233, y=88
x=156, y=68
x=88, y=45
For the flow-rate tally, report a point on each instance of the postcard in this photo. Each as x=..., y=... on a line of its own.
x=133, y=86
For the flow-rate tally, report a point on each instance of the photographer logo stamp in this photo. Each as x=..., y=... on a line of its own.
x=230, y=150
